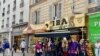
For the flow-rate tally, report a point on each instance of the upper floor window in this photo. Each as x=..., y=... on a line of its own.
x=4, y=1
x=8, y=9
x=0, y=3
x=3, y=14
x=21, y=17
x=14, y=18
x=7, y=25
x=55, y=11
x=91, y=1
x=35, y=1
x=2, y=24
x=36, y=17
x=22, y=3
x=14, y=5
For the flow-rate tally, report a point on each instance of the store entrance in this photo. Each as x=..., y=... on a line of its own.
x=17, y=40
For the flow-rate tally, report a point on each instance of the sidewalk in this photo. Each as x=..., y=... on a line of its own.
x=19, y=54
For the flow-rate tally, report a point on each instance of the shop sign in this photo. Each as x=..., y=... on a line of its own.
x=59, y=24
x=77, y=20
x=94, y=27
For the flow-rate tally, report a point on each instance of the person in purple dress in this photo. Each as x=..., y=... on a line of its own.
x=73, y=46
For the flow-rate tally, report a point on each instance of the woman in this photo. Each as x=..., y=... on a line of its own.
x=38, y=49
x=88, y=48
x=73, y=49
x=65, y=47
x=15, y=46
x=59, y=48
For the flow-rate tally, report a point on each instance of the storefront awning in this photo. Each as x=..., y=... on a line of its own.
x=56, y=34
x=31, y=29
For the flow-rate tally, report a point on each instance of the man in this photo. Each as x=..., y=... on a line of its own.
x=23, y=46
x=97, y=46
x=6, y=47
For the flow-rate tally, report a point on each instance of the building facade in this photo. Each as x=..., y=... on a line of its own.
x=48, y=10
x=13, y=15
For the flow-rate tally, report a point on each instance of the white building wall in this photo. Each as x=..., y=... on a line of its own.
x=25, y=9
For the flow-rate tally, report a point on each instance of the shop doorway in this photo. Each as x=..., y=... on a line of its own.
x=17, y=40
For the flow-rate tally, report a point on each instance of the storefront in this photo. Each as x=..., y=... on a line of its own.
x=94, y=27
x=74, y=26
x=29, y=32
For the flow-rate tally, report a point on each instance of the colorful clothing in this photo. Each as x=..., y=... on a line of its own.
x=73, y=49
x=81, y=50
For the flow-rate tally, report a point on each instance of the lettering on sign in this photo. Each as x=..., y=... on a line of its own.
x=97, y=23
x=58, y=24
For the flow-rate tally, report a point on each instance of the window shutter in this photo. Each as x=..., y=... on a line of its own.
x=50, y=12
x=38, y=16
x=33, y=17
x=59, y=10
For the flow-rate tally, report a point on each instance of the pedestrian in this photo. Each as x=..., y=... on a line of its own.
x=73, y=49
x=6, y=47
x=88, y=48
x=0, y=47
x=59, y=47
x=15, y=46
x=65, y=46
x=97, y=48
x=38, y=48
x=82, y=48
x=23, y=46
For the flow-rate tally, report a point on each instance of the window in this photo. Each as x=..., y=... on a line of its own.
x=22, y=3
x=56, y=11
x=14, y=5
x=0, y=3
x=2, y=24
x=36, y=17
x=35, y=1
x=8, y=9
x=21, y=17
x=91, y=1
x=3, y=14
x=4, y=1
x=14, y=18
x=7, y=25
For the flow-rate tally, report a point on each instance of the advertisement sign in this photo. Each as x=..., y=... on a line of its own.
x=78, y=20
x=60, y=24
x=94, y=27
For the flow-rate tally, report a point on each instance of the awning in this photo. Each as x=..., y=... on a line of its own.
x=31, y=29
x=56, y=34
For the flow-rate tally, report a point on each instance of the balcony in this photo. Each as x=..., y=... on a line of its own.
x=94, y=9
x=21, y=20
x=21, y=4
